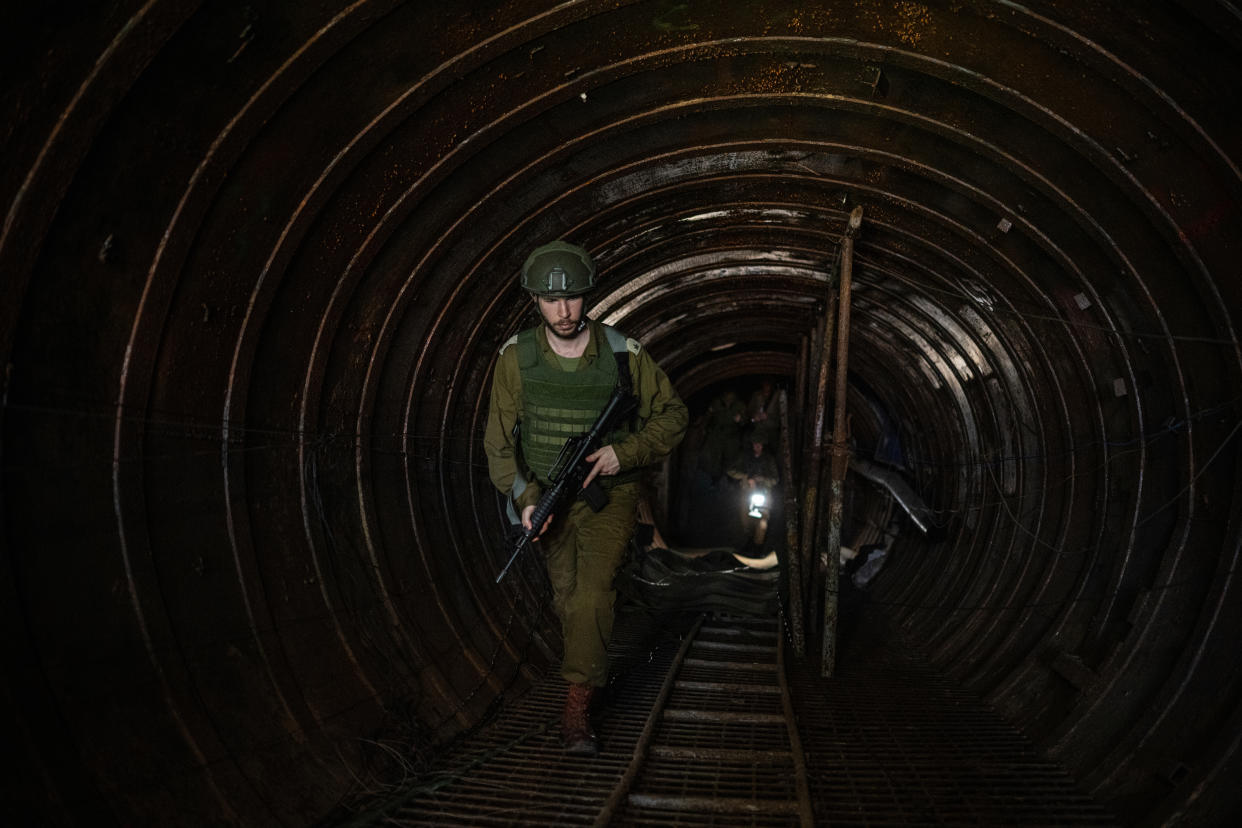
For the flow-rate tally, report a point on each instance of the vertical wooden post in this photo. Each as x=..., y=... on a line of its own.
x=840, y=449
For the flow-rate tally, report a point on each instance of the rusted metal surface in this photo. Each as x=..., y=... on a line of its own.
x=795, y=572
x=831, y=553
x=249, y=304
x=806, y=813
x=813, y=448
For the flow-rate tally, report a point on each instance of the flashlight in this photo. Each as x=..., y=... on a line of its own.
x=757, y=501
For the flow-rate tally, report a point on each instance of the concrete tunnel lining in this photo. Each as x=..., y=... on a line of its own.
x=258, y=260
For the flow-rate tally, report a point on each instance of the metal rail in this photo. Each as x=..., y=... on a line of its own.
x=721, y=740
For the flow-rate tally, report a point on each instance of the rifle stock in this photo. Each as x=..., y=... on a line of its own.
x=570, y=469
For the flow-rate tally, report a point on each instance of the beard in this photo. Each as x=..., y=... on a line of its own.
x=565, y=328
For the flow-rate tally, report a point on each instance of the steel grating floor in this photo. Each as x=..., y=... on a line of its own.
x=890, y=742
x=699, y=738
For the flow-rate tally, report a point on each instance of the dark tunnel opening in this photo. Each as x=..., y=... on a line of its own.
x=257, y=260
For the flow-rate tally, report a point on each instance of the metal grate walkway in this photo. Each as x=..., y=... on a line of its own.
x=709, y=732
x=890, y=742
x=720, y=747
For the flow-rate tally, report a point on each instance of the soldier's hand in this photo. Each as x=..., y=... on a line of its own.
x=606, y=462
x=526, y=513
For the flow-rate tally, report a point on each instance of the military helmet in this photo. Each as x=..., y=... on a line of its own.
x=558, y=269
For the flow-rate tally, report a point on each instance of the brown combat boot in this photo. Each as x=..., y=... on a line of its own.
x=576, y=732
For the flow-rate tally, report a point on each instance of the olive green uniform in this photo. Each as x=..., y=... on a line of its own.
x=763, y=416
x=724, y=434
x=584, y=548
x=763, y=470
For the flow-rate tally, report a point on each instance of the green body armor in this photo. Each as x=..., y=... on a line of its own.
x=560, y=404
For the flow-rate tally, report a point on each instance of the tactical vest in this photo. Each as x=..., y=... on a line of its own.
x=561, y=404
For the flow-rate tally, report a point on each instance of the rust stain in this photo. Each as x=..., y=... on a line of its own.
x=908, y=21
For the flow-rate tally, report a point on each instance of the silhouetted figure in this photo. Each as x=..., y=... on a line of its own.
x=757, y=474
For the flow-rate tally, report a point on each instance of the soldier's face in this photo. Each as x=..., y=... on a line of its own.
x=561, y=315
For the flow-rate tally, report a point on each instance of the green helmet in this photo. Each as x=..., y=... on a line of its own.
x=558, y=269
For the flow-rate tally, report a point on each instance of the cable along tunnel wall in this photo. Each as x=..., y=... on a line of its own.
x=258, y=260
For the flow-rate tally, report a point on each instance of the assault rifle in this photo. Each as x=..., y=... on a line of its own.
x=571, y=468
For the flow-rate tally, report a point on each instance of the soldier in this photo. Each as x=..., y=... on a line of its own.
x=761, y=412
x=757, y=472
x=554, y=379
x=724, y=434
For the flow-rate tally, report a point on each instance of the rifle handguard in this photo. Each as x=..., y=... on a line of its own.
x=542, y=510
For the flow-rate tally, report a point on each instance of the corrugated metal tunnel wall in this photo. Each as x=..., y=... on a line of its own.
x=256, y=260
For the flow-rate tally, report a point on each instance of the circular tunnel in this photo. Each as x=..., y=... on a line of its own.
x=257, y=260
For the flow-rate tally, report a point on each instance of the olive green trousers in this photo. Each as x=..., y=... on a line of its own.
x=583, y=550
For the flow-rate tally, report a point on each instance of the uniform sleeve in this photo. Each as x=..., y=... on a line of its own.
x=662, y=413
x=504, y=409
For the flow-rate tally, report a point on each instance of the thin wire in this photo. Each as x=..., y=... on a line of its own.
x=431, y=443
x=322, y=441
x=1171, y=426
x=1151, y=515
x=433, y=783
x=1060, y=603
x=1192, y=480
x=1154, y=588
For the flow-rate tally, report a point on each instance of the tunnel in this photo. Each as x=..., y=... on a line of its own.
x=258, y=259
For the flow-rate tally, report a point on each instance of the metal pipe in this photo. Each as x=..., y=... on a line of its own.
x=806, y=813
x=647, y=737
x=840, y=449
x=793, y=562
x=814, y=446
x=801, y=382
